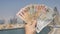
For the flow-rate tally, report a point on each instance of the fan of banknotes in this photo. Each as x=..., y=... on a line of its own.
x=43, y=14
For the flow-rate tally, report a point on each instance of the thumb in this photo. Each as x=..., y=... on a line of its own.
x=34, y=23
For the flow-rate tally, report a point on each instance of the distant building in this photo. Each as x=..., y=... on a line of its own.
x=13, y=20
x=2, y=21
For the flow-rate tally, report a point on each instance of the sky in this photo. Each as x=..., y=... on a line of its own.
x=11, y=7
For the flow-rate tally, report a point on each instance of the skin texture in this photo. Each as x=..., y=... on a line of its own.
x=30, y=28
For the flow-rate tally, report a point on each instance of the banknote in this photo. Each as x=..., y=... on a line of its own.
x=44, y=19
x=43, y=14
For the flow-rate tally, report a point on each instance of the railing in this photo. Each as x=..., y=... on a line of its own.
x=55, y=30
x=11, y=26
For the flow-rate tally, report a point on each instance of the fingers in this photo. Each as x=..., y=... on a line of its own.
x=34, y=23
x=31, y=23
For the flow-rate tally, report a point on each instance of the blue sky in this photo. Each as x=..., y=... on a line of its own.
x=11, y=7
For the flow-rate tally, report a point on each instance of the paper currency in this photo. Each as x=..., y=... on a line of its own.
x=44, y=19
x=42, y=13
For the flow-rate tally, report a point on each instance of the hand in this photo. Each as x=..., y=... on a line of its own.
x=31, y=22
x=30, y=28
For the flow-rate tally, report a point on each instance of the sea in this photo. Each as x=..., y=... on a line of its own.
x=46, y=30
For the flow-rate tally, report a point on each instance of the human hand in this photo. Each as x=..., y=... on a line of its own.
x=30, y=28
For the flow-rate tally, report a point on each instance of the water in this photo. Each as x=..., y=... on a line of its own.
x=21, y=31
